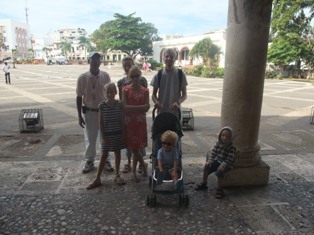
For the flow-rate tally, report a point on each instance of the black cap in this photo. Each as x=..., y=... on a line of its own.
x=94, y=55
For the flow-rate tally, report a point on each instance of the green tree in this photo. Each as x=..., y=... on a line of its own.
x=47, y=50
x=291, y=33
x=31, y=50
x=2, y=45
x=85, y=43
x=65, y=48
x=208, y=51
x=127, y=34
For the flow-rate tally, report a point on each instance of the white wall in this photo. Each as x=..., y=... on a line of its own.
x=17, y=36
x=218, y=37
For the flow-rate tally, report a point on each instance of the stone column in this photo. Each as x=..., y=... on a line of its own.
x=245, y=62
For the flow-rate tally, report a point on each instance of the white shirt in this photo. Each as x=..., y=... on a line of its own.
x=5, y=68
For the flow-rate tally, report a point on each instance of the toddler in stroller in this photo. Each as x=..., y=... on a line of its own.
x=166, y=159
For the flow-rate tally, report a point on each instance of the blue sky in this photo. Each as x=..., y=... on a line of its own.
x=184, y=17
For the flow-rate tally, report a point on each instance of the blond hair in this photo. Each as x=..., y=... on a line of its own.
x=112, y=86
x=169, y=136
x=135, y=71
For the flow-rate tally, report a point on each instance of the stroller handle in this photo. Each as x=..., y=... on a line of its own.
x=155, y=109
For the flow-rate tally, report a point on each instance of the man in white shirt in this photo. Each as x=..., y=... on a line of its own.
x=89, y=93
x=6, y=70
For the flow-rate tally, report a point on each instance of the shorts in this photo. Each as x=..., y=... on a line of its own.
x=214, y=168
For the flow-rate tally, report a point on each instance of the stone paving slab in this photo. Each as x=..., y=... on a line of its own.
x=50, y=197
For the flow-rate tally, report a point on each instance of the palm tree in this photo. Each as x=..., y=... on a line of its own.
x=208, y=51
x=84, y=43
x=46, y=50
x=65, y=48
x=31, y=50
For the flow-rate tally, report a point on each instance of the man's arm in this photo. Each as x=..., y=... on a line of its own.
x=157, y=103
x=183, y=96
x=79, y=111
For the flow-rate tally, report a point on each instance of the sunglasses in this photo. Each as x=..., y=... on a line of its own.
x=166, y=143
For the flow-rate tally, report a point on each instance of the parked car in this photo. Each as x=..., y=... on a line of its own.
x=61, y=60
x=57, y=60
x=51, y=60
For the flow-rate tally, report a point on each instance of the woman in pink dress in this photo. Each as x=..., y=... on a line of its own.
x=135, y=100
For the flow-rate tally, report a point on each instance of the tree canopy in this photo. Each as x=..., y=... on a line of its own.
x=65, y=48
x=127, y=34
x=291, y=33
x=2, y=45
x=208, y=51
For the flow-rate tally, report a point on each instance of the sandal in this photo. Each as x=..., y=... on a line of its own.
x=95, y=184
x=219, y=194
x=119, y=180
x=126, y=168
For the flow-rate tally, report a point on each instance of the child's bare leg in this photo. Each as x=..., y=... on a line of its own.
x=205, y=177
x=117, y=161
x=97, y=180
x=134, y=167
x=101, y=166
x=174, y=178
x=142, y=163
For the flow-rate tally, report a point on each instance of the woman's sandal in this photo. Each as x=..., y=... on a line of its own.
x=95, y=184
x=126, y=168
x=219, y=194
x=144, y=171
x=119, y=180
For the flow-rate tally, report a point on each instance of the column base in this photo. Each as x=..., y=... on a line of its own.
x=247, y=176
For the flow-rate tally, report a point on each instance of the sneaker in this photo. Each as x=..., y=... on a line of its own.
x=89, y=166
x=108, y=166
x=201, y=186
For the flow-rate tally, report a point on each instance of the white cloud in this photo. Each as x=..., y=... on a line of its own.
x=169, y=16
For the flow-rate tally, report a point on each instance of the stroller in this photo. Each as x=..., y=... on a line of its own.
x=163, y=122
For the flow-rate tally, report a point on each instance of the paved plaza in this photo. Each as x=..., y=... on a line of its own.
x=42, y=189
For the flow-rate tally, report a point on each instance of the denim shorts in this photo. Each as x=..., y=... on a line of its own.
x=214, y=168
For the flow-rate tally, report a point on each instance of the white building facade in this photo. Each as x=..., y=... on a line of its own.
x=16, y=37
x=183, y=46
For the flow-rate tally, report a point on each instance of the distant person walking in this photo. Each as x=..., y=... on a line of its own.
x=90, y=92
x=6, y=70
